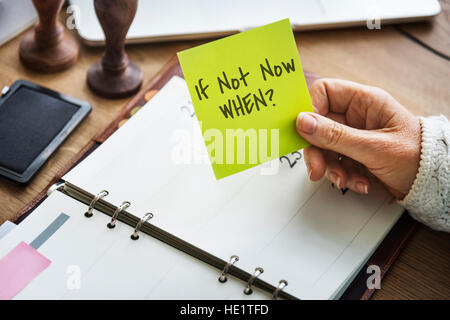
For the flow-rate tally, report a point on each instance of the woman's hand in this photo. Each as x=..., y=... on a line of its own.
x=359, y=129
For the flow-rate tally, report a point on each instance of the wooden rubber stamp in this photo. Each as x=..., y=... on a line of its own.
x=48, y=47
x=115, y=76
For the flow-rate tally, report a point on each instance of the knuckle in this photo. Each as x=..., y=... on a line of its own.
x=380, y=97
x=334, y=134
x=319, y=98
x=381, y=93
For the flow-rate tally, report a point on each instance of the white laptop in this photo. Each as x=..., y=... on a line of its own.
x=15, y=16
x=181, y=19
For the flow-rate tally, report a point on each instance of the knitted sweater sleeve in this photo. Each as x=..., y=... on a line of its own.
x=428, y=201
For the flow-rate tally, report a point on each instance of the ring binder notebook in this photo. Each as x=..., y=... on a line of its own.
x=120, y=213
x=125, y=205
x=84, y=188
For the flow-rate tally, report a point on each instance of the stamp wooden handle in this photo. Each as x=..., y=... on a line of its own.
x=115, y=76
x=48, y=47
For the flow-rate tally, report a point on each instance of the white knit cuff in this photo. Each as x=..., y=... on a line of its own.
x=428, y=201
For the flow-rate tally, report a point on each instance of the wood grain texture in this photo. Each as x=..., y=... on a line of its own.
x=423, y=269
x=435, y=33
x=385, y=58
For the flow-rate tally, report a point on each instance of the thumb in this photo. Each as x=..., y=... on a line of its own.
x=331, y=135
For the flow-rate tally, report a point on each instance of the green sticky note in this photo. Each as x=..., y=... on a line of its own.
x=247, y=90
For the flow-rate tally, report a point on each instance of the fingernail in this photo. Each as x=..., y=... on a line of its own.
x=362, y=187
x=335, y=179
x=306, y=123
x=308, y=169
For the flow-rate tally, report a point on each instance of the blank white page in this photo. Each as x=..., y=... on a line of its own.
x=307, y=233
x=111, y=265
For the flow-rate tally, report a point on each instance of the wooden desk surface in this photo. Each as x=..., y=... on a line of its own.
x=386, y=58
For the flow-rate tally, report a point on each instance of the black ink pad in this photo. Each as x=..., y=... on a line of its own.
x=34, y=121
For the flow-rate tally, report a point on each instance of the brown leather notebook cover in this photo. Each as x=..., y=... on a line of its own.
x=383, y=257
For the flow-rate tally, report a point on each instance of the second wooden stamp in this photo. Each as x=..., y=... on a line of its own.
x=115, y=76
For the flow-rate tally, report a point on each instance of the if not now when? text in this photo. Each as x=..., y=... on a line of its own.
x=241, y=105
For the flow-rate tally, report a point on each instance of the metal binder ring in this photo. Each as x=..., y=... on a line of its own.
x=57, y=186
x=99, y=195
x=248, y=288
x=122, y=207
x=281, y=285
x=145, y=218
x=223, y=276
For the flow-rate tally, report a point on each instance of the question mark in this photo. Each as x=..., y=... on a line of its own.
x=271, y=94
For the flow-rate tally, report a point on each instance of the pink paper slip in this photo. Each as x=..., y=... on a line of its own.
x=18, y=268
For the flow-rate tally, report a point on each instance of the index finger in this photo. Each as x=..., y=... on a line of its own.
x=335, y=95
